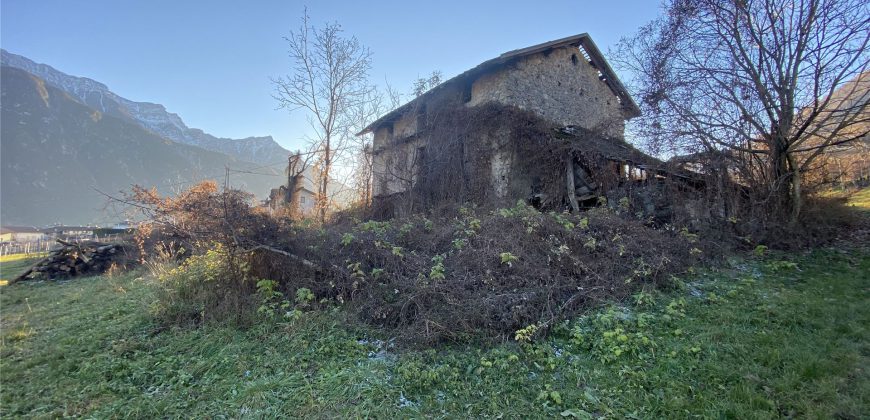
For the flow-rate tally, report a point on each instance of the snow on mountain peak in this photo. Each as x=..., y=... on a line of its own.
x=151, y=116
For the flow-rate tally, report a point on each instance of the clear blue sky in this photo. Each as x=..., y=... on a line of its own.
x=210, y=61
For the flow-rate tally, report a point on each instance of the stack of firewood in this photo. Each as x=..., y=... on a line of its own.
x=74, y=259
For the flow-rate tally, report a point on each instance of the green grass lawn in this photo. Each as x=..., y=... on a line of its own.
x=784, y=336
x=14, y=264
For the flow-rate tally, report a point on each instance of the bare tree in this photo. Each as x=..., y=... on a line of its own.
x=394, y=96
x=424, y=84
x=753, y=80
x=329, y=78
x=362, y=160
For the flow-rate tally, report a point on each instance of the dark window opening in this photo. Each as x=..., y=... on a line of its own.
x=574, y=59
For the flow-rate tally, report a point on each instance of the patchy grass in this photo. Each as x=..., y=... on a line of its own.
x=861, y=199
x=785, y=335
x=15, y=264
x=17, y=257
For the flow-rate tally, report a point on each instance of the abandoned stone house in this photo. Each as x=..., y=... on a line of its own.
x=305, y=198
x=566, y=83
x=298, y=192
x=298, y=195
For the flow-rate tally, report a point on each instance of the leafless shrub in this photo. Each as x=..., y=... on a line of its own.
x=467, y=274
x=197, y=221
x=480, y=273
x=328, y=80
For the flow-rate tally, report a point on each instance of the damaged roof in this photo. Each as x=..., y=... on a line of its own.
x=583, y=41
x=618, y=150
x=610, y=148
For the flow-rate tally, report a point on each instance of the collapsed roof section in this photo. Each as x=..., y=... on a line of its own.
x=609, y=148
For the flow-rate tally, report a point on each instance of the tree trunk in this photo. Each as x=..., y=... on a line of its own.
x=368, y=176
x=572, y=196
x=293, y=195
x=779, y=179
x=323, y=199
x=295, y=174
x=796, y=191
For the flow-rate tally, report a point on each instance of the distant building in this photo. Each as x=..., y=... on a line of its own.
x=21, y=234
x=70, y=232
x=299, y=192
x=125, y=225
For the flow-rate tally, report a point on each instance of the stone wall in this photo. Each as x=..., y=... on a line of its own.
x=406, y=125
x=394, y=169
x=396, y=153
x=560, y=85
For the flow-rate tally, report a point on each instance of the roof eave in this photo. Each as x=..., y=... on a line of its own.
x=629, y=106
x=583, y=40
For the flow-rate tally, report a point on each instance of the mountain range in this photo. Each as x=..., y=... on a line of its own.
x=64, y=138
x=154, y=117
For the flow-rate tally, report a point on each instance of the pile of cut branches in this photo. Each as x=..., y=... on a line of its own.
x=74, y=259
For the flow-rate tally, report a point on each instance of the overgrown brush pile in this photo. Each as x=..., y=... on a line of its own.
x=205, y=287
x=469, y=274
x=485, y=273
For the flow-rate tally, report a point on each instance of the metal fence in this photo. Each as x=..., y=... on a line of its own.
x=48, y=244
x=36, y=247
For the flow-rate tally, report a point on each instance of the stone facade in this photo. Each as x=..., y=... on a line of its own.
x=394, y=166
x=559, y=85
x=558, y=82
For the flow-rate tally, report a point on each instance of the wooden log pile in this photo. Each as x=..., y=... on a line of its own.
x=74, y=259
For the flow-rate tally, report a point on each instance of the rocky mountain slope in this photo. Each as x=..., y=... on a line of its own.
x=56, y=150
x=154, y=117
